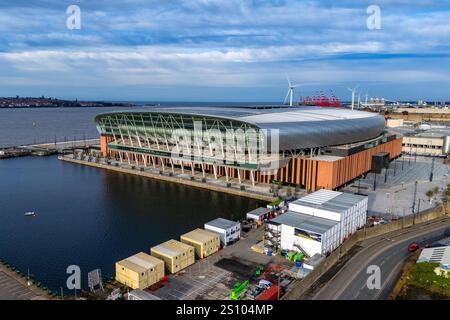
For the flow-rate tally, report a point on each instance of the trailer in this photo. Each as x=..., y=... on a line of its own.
x=272, y=293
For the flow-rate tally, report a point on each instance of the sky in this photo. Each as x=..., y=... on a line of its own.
x=224, y=50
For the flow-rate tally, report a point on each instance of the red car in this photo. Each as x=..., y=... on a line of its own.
x=413, y=247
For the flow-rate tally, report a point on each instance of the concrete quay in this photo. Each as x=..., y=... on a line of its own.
x=148, y=172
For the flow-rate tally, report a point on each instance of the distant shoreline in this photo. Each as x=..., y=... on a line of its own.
x=43, y=102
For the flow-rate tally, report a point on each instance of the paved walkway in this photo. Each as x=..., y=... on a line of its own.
x=14, y=288
x=395, y=197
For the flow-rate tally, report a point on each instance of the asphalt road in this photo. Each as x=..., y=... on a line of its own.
x=389, y=252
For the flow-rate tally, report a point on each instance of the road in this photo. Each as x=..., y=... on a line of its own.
x=389, y=252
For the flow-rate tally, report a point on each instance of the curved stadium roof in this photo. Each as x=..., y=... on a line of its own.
x=299, y=127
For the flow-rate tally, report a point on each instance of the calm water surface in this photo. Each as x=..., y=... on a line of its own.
x=92, y=218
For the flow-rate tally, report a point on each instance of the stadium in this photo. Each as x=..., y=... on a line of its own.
x=309, y=147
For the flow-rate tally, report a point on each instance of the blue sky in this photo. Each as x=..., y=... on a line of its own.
x=228, y=50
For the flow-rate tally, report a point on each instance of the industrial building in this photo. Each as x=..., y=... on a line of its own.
x=310, y=147
x=205, y=242
x=347, y=208
x=175, y=254
x=230, y=231
x=139, y=271
x=317, y=223
x=432, y=142
x=304, y=233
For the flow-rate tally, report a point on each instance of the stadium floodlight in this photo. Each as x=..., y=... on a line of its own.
x=353, y=91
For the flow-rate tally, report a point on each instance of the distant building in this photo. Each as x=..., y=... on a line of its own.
x=432, y=142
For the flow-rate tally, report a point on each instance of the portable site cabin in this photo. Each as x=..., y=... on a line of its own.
x=138, y=294
x=139, y=271
x=175, y=254
x=205, y=242
x=230, y=231
x=259, y=214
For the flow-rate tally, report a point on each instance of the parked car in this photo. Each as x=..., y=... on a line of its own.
x=265, y=284
x=413, y=247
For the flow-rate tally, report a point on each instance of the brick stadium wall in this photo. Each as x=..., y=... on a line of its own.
x=318, y=174
x=307, y=173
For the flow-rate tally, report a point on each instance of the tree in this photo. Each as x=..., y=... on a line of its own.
x=429, y=194
x=289, y=191
x=436, y=190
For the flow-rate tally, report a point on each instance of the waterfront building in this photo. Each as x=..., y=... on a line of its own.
x=310, y=147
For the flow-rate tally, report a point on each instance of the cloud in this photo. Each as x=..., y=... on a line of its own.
x=223, y=44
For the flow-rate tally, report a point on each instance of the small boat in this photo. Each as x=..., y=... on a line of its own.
x=30, y=213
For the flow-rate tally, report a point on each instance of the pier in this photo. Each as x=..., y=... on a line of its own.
x=46, y=149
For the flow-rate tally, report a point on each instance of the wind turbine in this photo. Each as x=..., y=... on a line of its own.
x=353, y=91
x=290, y=92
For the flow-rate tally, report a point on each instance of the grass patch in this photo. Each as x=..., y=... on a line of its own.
x=423, y=276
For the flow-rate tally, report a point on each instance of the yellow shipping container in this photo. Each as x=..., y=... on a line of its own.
x=175, y=254
x=139, y=271
x=205, y=242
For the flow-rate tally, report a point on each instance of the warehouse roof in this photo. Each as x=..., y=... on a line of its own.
x=299, y=127
x=438, y=255
x=140, y=262
x=200, y=235
x=222, y=223
x=305, y=222
x=330, y=200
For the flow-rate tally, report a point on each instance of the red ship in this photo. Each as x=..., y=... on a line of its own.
x=321, y=100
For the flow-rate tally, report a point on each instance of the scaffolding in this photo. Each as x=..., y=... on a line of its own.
x=272, y=237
